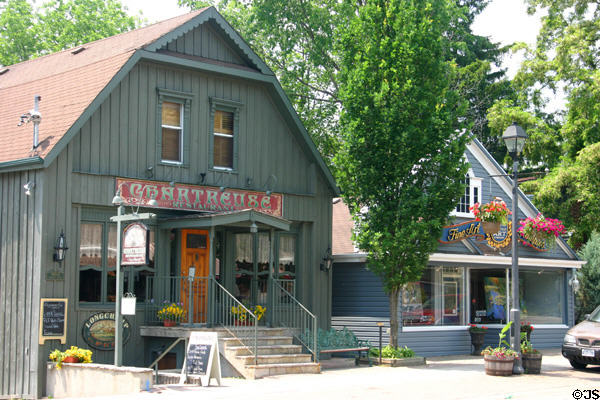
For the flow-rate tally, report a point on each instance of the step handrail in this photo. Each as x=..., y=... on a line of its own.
x=297, y=317
x=224, y=304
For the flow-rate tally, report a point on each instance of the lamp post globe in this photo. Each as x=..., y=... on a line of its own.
x=514, y=137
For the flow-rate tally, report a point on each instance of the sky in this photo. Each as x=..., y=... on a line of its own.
x=504, y=21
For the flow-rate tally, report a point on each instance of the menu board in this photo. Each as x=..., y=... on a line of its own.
x=202, y=358
x=197, y=359
x=53, y=320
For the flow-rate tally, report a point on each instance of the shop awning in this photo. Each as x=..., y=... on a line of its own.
x=240, y=219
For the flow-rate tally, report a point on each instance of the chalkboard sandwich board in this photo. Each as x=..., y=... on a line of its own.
x=202, y=358
x=53, y=320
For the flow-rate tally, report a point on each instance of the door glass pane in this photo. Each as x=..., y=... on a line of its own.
x=195, y=241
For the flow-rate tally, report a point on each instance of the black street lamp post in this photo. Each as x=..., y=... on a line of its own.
x=514, y=137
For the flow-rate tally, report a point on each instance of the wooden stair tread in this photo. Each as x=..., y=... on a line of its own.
x=290, y=365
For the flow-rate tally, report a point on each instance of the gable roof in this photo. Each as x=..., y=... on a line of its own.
x=72, y=85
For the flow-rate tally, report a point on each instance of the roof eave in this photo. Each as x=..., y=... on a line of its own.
x=22, y=164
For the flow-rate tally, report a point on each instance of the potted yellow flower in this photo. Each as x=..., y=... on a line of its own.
x=72, y=355
x=171, y=314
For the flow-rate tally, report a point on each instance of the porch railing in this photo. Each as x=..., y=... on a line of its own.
x=289, y=313
x=234, y=317
x=190, y=293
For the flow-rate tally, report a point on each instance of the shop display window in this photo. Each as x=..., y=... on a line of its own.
x=436, y=299
x=286, y=272
x=250, y=286
x=97, y=265
x=542, y=296
x=488, y=296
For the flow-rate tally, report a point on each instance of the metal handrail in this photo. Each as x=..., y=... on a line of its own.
x=181, y=290
x=234, y=317
x=291, y=314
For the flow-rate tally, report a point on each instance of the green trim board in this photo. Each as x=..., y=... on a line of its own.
x=21, y=164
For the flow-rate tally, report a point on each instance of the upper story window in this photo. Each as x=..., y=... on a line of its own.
x=471, y=196
x=224, y=121
x=223, y=139
x=172, y=132
x=173, y=116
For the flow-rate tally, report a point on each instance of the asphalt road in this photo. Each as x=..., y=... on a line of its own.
x=459, y=377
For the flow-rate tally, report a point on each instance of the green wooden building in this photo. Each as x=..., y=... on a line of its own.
x=180, y=119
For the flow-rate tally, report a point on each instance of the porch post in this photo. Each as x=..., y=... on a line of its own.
x=211, y=277
x=271, y=277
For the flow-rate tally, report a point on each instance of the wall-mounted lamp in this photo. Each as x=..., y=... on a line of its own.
x=248, y=181
x=60, y=248
x=253, y=227
x=202, y=177
x=222, y=189
x=172, y=183
x=270, y=184
x=149, y=172
x=29, y=188
x=327, y=261
x=574, y=283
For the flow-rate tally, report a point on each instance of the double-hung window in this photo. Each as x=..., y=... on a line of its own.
x=173, y=120
x=224, y=123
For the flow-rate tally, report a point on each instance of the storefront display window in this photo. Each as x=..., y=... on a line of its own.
x=251, y=286
x=97, y=265
x=287, y=262
x=542, y=297
x=488, y=296
x=436, y=299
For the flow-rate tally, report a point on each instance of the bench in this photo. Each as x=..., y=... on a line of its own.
x=342, y=341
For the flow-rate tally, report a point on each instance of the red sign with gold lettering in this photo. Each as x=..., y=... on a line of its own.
x=197, y=198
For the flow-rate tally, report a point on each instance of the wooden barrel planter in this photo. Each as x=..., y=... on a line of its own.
x=498, y=366
x=532, y=363
x=491, y=227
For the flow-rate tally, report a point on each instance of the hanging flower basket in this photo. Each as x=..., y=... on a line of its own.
x=491, y=215
x=540, y=230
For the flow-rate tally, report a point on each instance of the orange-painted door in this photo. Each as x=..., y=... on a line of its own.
x=194, y=253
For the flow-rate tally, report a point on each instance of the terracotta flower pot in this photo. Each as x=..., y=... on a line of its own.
x=498, y=366
x=70, y=359
x=491, y=227
x=532, y=363
x=168, y=322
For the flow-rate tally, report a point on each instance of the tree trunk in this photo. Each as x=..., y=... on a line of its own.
x=393, y=296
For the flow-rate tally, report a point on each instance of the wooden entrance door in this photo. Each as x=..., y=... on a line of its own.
x=194, y=253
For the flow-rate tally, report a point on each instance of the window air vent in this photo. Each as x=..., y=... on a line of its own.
x=78, y=50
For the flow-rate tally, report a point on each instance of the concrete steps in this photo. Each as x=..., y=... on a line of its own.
x=277, y=355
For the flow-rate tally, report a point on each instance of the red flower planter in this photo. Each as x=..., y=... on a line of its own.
x=169, y=323
x=70, y=359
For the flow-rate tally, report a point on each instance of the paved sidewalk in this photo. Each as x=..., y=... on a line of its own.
x=453, y=377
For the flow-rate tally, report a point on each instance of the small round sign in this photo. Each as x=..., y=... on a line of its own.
x=98, y=330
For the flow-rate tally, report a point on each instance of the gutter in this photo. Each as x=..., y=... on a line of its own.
x=22, y=164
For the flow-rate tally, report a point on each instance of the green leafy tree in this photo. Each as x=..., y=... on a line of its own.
x=59, y=24
x=588, y=297
x=301, y=42
x=400, y=163
x=564, y=61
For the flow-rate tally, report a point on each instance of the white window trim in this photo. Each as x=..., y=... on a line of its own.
x=474, y=182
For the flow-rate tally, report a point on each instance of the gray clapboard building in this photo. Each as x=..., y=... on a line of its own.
x=181, y=119
x=466, y=280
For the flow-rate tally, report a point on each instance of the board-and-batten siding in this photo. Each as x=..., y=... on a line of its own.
x=120, y=138
x=359, y=303
x=205, y=42
x=20, y=255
